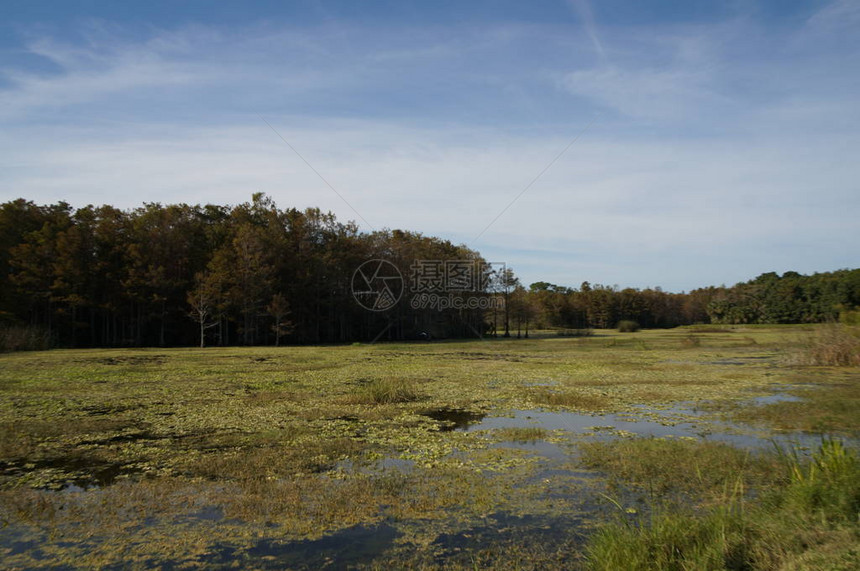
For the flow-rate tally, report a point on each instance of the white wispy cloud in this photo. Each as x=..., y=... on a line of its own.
x=841, y=15
x=657, y=94
x=586, y=16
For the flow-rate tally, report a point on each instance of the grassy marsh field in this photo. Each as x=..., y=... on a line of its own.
x=550, y=452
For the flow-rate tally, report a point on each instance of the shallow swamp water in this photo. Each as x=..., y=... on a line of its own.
x=273, y=459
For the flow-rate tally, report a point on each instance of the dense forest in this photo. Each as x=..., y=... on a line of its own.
x=163, y=275
x=769, y=298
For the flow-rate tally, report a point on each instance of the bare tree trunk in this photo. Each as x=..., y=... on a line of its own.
x=161, y=330
x=507, y=314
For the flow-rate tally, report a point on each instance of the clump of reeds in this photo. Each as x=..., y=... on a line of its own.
x=577, y=400
x=523, y=433
x=388, y=390
x=575, y=332
x=832, y=344
x=628, y=326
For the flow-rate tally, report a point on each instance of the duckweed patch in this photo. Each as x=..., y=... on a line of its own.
x=64, y=472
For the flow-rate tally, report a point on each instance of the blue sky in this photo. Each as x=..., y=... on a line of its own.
x=717, y=140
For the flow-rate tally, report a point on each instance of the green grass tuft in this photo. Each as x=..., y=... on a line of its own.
x=810, y=514
x=575, y=400
x=389, y=390
x=522, y=434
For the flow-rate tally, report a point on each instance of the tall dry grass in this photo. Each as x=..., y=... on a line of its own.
x=833, y=344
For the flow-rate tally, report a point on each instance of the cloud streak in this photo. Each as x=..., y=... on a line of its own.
x=586, y=16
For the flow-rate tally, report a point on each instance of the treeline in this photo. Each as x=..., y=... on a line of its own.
x=256, y=274
x=769, y=298
x=600, y=306
x=790, y=298
x=248, y=274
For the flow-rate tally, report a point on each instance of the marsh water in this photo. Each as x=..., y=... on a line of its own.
x=555, y=458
